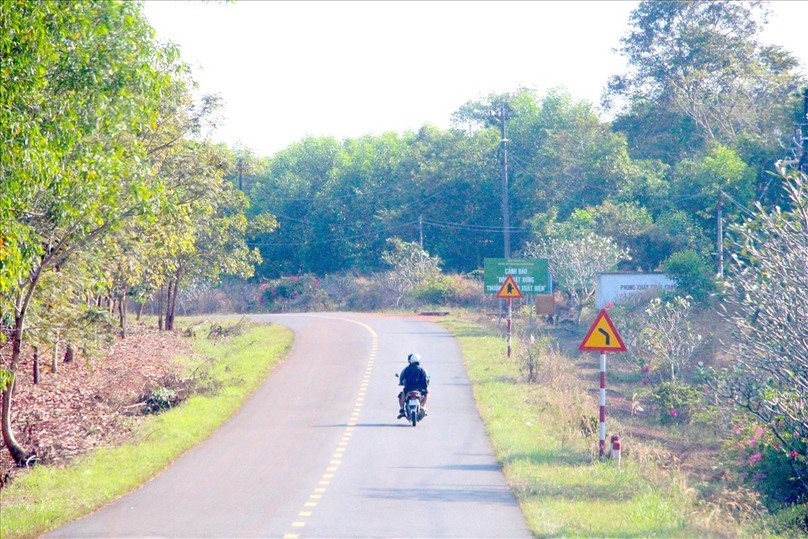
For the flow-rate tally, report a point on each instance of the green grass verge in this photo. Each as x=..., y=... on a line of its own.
x=564, y=491
x=49, y=497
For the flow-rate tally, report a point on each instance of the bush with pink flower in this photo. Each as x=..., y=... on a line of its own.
x=775, y=466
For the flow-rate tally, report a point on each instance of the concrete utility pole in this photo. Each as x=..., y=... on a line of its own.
x=720, y=239
x=506, y=232
x=803, y=135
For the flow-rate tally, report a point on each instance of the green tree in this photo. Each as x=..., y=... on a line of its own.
x=704, y=61
x=80, y=80
x=287, y=187
x=451, y=181
x=696, y=184
x=692, y=274
x=204, y=236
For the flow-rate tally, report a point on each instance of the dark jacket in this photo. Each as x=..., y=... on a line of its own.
x=414, y=377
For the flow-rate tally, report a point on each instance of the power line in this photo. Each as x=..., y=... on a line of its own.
x=333, y=239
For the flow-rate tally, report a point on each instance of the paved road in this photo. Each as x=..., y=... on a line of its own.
x=318, y=452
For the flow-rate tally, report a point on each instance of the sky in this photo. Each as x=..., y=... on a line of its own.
x=288, y=70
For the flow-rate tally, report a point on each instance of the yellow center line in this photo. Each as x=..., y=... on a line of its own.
x=336, y=459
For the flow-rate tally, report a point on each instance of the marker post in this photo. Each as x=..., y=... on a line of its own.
x=602, y=430
x=602, y=337
x=509, y=290
x=510, y=317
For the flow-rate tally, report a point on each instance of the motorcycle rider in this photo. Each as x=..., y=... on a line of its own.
x=413, y=377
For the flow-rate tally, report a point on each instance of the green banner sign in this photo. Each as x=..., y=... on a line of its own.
x=531, y=275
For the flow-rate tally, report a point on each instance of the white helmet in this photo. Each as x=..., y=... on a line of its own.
x=413, y=358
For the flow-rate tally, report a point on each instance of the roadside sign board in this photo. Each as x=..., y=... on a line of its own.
x=602, y=336
x=530, y=275
x=509, y=289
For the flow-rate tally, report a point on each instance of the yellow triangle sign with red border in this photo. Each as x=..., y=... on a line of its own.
x=602, y=336
x=509, y=289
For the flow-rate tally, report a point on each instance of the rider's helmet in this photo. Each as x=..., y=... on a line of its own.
x=413, y=358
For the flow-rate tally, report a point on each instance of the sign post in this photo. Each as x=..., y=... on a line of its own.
x=509, y=290
x=602, y=337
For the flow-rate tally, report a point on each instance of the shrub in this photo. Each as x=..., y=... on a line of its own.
x=295, y=293
x=675, y=402
x=768, y=464
x=447, y=290
x=692, y=274
x=160, y=399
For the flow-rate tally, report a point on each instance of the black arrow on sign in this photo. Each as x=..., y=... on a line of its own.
x=605, y=334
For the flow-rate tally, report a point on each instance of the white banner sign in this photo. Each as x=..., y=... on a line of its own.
x=619, y=287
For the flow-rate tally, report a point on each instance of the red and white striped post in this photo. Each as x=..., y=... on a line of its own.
x=602, y=337
x=602, y=438
x=616, y=449
x=510, y=318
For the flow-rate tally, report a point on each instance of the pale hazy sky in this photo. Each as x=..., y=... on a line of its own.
x=286, y=70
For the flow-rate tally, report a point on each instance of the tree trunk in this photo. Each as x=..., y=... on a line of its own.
x=55, y=360
x=68, y=353
x=173, y=291
x=169, y=307
x=160, y=309
x=19, y=455
x=122, y=312
x=140, y=307
x=36, y=365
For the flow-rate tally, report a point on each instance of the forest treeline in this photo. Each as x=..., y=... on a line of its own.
x=111, y=194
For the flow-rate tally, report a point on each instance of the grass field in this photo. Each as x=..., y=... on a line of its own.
x=564, y=490
x=48, y=497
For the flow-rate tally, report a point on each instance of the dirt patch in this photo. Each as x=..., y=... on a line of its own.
x=90, y=403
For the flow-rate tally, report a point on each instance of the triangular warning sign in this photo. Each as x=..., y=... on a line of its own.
x=509, y=289
x=602, y=336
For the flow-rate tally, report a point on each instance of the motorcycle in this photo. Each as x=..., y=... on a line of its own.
x=413, y=411
x=412, y=407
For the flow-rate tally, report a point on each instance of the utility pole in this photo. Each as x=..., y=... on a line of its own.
x=802, y=132
x=720, y=238
x=506, y=232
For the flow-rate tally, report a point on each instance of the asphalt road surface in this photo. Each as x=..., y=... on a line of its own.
x=318, y=451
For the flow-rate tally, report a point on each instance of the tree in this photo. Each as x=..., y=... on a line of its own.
x=668, y=335
x=697, y=183
x=767, y=304
x=411, y=266
x=703, y=62
x=692, y=274
x=204, y=237
x=451, y=181
x=575, y=262
x=80, y=80
x=286, y=187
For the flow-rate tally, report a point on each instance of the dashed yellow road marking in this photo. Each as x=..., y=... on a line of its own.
x=336, y=458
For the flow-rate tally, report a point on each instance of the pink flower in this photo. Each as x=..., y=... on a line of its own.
x=757, y=457
x=675, y=412
x=793, y=454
